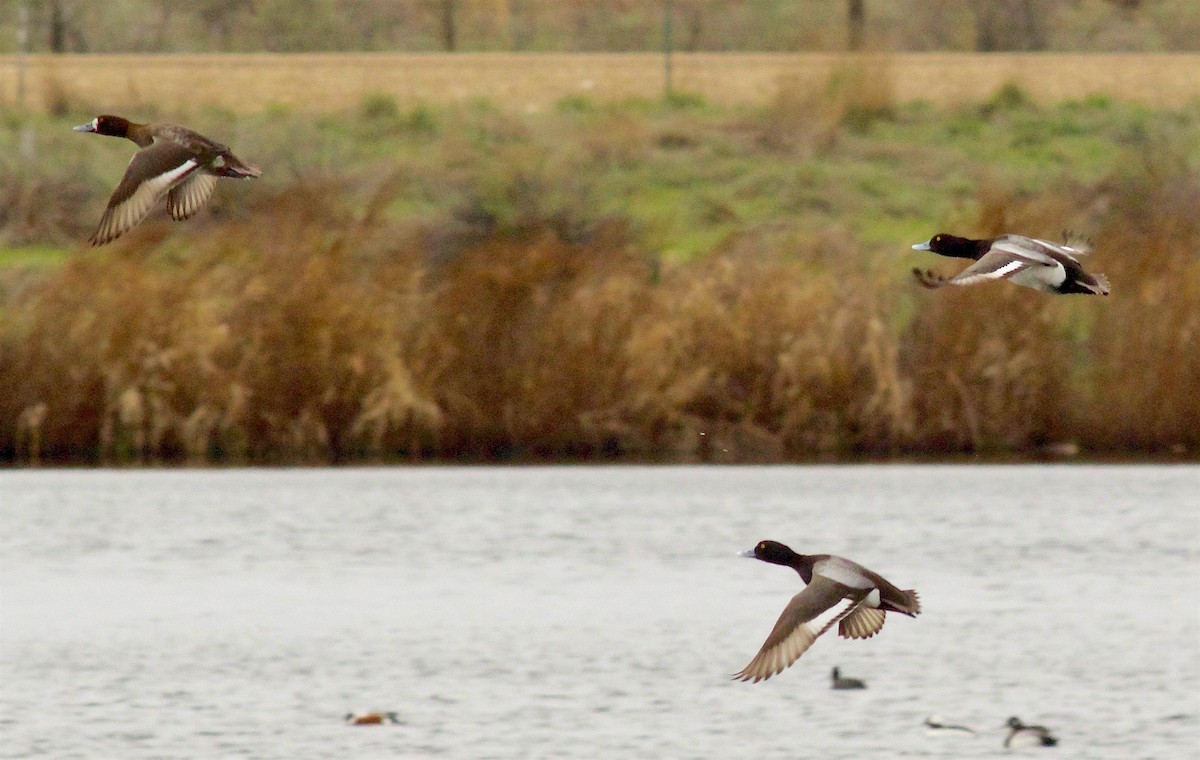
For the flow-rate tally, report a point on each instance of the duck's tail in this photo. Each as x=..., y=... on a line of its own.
x=1101, y=286
x=909, y=603
x=231, y=166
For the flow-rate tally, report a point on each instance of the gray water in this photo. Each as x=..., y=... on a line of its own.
x=589, y=612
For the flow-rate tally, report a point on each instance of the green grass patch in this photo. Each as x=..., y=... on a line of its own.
x=684, y=172
x=33, y=256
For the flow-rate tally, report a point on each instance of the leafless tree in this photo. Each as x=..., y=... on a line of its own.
x=856, y=23
x=63, y=34
x=1008, y=25
x=57, y=27
x=220, y=18
x=449, y=27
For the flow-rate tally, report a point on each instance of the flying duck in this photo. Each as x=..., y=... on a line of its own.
x=173, y=161
x=1038, y=264
x=1021, y=735
x=846, y=683
x=837, y=591
x=371, y=718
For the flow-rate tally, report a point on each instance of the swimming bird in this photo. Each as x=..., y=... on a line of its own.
x=371, y=718
x=934, y=726
x=173, y=161
x=846, y=683
x=1032, y=263
x=837, y=591
x=1021, y=735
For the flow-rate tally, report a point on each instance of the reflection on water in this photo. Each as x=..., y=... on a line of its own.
x=588, y=612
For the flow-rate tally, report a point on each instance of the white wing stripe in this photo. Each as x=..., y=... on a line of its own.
x=163, y=182
x=823, y=622
x=1004, y=271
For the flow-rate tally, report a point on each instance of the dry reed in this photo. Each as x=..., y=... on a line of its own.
x=303, y=332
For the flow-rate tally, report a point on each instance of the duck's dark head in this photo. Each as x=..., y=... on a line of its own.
x=107, y=124
x=1015, y=722
x=773, y=552
x=952, y=245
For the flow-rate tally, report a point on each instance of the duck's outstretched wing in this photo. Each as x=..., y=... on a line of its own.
x=999, y=263
x=1074, y=247
x=1074, y=243
x=151, y=173
x=189, y=196
x=812, y=612
x=862, y=623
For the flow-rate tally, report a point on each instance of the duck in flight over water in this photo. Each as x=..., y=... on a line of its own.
x=838, y=591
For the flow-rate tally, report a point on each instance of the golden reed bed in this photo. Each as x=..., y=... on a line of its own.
x=535, y=81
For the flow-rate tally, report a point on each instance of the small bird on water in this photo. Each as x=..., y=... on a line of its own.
x=935, y=726
x=837, y=682
x=174, y=162
x=1021, y=735
x=371, y=718
x=837, y=591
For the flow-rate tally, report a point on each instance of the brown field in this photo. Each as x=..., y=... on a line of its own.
x=535, y=81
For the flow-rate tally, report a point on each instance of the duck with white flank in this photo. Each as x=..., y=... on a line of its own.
x=173, y=161
x=837, y=591
x=1038, y=264
x=1021, y=735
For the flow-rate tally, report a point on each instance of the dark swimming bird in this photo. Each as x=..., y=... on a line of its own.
x=838, y=591
x=1021, y=735
x=845, y=683
x=173, y=161
x=935, y=726
x=1038, y=264
x=371, y=718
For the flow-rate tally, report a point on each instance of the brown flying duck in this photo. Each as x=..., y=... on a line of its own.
x=173, y=161
x=837, y=591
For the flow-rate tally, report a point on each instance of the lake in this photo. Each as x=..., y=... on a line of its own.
x=589, y=612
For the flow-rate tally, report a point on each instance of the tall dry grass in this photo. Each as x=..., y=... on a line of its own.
x=314, y=329
x=36, y=208
x=1148, y=372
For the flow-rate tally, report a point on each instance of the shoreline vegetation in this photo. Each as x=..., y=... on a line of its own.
x=659, y=281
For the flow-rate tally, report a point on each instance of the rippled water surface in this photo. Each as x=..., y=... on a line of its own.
x=589, y=612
